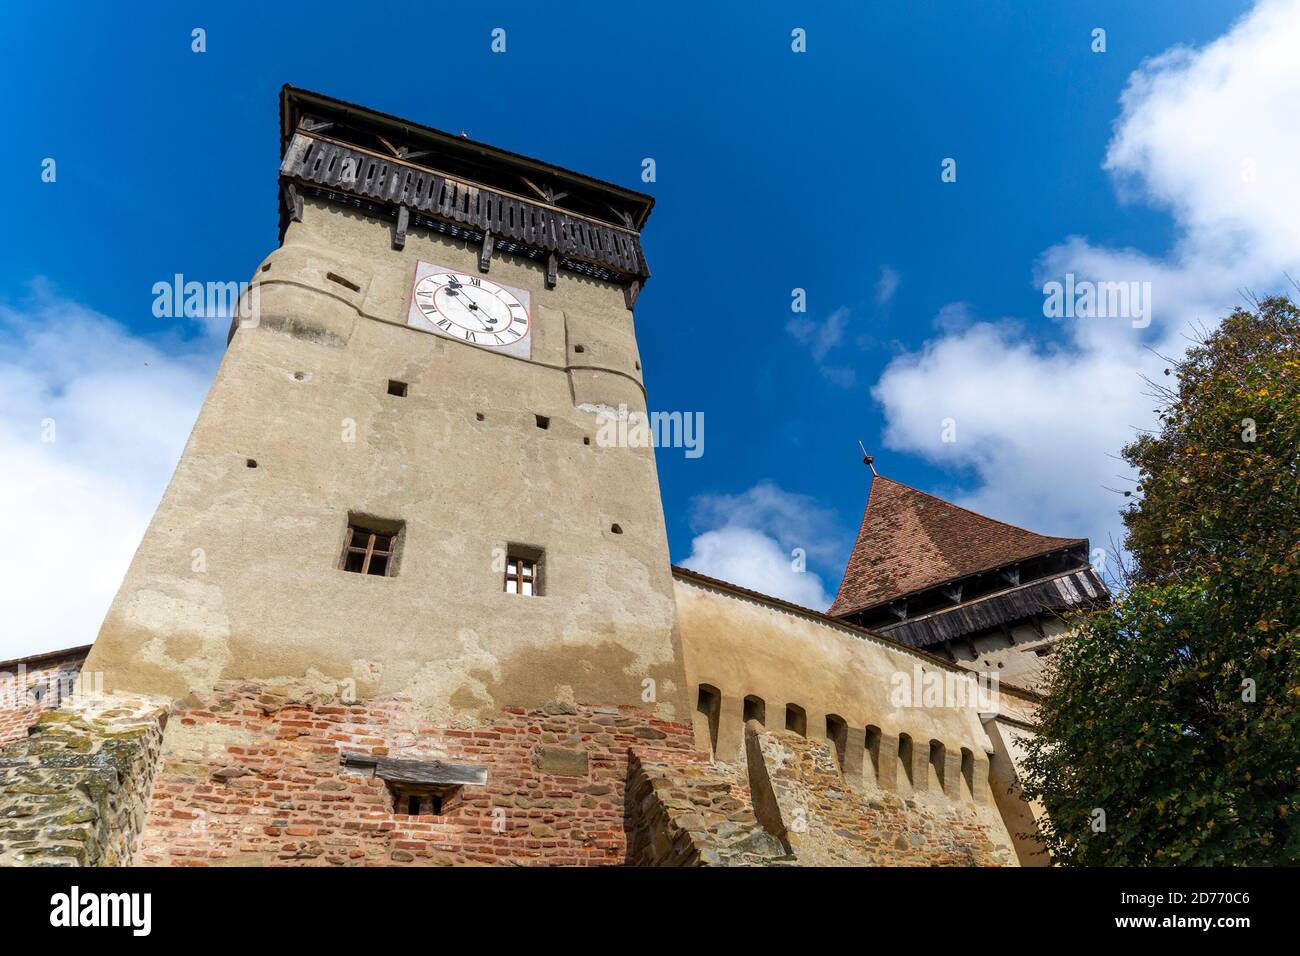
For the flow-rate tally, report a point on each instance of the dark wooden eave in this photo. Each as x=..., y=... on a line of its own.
x=419, y=175
x=1073, y=590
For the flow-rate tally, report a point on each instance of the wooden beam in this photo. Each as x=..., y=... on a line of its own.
x=485, y=255
x=547, y=228
x=1012, y=575
x=552, y=270
x=631, y=292
x=624, y=217
x=309, y=125
x=416, y=772
x=545, y=192
x=541, y=194
x=293, y=200
x=403, y=221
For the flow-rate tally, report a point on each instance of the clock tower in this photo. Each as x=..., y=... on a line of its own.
x=395, y=484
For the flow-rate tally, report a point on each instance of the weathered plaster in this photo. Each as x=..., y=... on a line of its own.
x=268, y=600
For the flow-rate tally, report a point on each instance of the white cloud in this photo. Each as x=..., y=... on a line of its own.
x=120, y=409
x=753, y=560
x=821, y=337
x=1210, y=135
x=751, y=538
x=886, y=286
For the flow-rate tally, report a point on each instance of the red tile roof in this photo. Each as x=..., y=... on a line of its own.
x=910, y=541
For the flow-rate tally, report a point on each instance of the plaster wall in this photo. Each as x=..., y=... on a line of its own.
x=742, y=646
x=1012, y=654
x=237, y=576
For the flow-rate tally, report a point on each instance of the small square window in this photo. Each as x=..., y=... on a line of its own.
x=543, y=421
x=396, y=388
x=524, y=572
x=435, y=801
x=371, y=548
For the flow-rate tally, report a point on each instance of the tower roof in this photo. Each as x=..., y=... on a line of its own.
x=910, y=541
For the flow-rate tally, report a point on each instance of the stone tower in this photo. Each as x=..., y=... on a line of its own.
x=395, y=484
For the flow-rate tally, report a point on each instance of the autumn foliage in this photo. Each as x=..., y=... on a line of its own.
x=1174, y=715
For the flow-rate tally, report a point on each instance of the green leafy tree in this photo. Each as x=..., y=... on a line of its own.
x=1176, y=713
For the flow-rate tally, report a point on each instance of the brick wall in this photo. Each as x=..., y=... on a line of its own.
x=30, y=686
x=252, y=776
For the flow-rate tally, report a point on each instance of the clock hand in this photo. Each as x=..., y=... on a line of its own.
x=466, y=302
x=487, y=320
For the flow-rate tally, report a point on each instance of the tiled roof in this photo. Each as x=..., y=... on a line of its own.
x=910, y=541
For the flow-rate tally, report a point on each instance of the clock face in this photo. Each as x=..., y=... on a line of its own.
x=471, y=308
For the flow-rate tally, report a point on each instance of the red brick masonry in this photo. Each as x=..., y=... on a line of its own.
x=253, y=776
x=29, y=686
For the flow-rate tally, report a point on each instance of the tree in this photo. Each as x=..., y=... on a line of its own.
x=1175, y=711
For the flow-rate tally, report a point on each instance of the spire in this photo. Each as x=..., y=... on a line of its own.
x=910, y=541
x=868, y=460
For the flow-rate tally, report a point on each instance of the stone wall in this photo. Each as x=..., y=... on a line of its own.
x=259, y=774
x=913, y=754
x=802, y=796
x=791, y=805
x=683, y=810
x=30, y=686
x=74, y=791
x=252, y=775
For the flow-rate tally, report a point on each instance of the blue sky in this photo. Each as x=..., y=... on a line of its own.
x=776, y=170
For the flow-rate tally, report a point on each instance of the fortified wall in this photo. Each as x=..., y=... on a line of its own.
x=400, y=606
x=797, y=754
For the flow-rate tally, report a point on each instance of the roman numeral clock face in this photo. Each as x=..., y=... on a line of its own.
x=471, y=308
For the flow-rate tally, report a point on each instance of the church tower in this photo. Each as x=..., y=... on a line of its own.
x=981, y=593
x=397, y=482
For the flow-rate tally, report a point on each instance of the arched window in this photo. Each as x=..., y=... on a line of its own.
x=837, y=732
x=796, y=719
x=871, y=744
x=968, y=770
x=709, y=705
x=937, y=758
x=755, y=709
x=905, y=755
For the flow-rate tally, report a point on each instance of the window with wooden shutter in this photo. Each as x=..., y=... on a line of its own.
x=371, y=548
x=521, y=576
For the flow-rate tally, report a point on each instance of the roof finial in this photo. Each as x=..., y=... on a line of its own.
x=868, y=460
